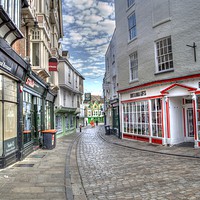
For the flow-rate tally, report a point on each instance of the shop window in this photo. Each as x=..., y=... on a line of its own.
x=38, y=114
x=47, y=115
x=71, y=121
x=156, y=112
x=10, y=124
x=136, y=118
x=10, y=91
x=66, y=122
x=27, y=117
x=58, y=123
x=8, y=116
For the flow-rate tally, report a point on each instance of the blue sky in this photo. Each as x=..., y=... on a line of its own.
x=88, y=27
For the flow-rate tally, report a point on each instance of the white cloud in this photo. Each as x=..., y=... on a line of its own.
x=88, y=27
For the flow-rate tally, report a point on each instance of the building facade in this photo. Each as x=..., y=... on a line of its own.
x=94, y=109
x=158, y=68
x=27, y=98
x=110, y=87
x=69, y=97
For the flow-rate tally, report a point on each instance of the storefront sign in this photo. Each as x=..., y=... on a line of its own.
x=30, y=82
x=138, y=94
x=7, y=63
x=9, y=145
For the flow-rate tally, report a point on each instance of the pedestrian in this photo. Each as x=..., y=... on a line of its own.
x=96, y=122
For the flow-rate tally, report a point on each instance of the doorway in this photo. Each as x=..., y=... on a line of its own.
x=189, y=125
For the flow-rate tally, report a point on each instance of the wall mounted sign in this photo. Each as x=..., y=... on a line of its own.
x=53, y=64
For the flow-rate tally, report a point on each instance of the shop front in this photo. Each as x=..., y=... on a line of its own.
x=13, y=70
x=167, y=114
x=33, y=109
x=115, y=117
x=65, y=120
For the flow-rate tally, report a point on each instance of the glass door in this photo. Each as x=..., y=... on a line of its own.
x=190, y=122
x=37, y=120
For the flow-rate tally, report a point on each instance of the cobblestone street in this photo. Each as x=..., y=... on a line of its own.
x=90, y=165
x=113, y=172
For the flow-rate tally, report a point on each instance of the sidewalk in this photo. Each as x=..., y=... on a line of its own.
x=177, y=150
x=42, y=175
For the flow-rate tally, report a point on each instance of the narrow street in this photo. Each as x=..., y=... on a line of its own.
x=113, y=172
x=90, y=165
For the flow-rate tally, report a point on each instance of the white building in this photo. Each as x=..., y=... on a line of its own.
x=69, y=96
x=159, y=70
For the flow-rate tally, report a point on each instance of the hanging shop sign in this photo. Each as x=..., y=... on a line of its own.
x=87, y=96
x=53, y=64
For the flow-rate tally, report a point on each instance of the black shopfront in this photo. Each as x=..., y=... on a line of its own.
x=13, y=70
x=37, y=113
x=26, y=107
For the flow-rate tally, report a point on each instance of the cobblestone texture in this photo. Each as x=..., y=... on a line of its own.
x=113, y=172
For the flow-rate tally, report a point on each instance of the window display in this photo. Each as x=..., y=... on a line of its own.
x=8, y=116
x=136, y=118
x=156, y=113
x=58, y=123
x=27, y=117
x=47, y=115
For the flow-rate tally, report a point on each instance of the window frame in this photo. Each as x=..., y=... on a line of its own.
x=130, y=3
x=156, y=114
x=164, y=55
x=132, y=26
x=133, y=69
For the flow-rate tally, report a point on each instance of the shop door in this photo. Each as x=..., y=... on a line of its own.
x=37, y=121
x=189, y=124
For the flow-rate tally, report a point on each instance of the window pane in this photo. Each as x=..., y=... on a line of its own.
x=164, y=54
x=10, y=120
x=130, y=2
x=132, y=26
x=10, y=89
x=35, y=54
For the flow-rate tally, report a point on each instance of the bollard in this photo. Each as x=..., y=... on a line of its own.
x=80, y=127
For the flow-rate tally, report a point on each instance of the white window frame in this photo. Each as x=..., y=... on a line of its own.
x=133, y=69
x=164, y=55
x=136, y=118
x=156, y=117
x=132, y=26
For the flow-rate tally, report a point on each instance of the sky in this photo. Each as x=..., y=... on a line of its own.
x=88, y=27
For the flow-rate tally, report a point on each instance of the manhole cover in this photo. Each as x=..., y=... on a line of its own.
x=24, y=165
x=36, y=156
